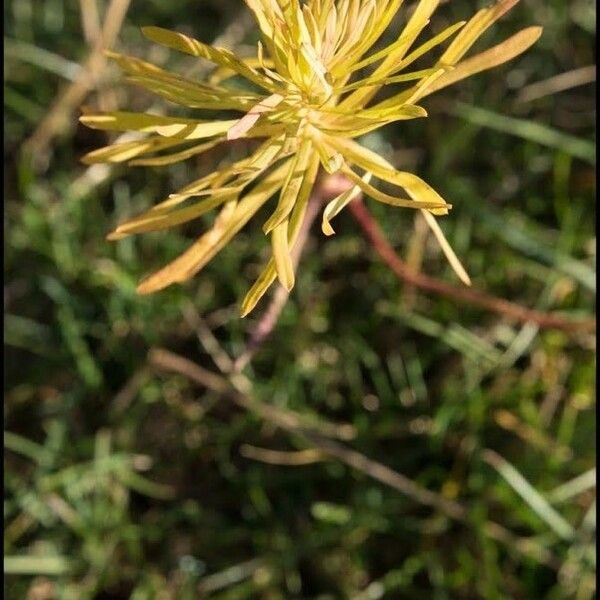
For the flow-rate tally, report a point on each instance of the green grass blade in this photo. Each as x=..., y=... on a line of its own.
x=531, y=496
x=528, y=130
x=35, y=565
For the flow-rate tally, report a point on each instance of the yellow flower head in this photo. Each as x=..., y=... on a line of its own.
x=307, y=98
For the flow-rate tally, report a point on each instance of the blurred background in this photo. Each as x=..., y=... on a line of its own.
x=437, y=450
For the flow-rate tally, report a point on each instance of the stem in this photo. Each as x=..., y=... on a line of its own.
x=375, y=235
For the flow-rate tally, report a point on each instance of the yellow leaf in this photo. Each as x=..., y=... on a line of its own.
x=194, y=98
x=269, y=273
x=370, y=35
x=248, y=120
x=184, y=129
x=194, y=130
x=376, y=194
x=415, y=25
x=188, y=191
x=155, y=220
x=219, y=56
x=169, y=159
x=223, y=73
x=231, y=219
x=124, y=151
x=281, y=255
x=351, y=127
x=180, y=89
x=257, y=291
x=379, y=81
x=427, y=46
x=331, y=160
x=503, y=52
x=126, y=121
x=447, y=249
x=291, y=187
x=420, y=51
x=339, y=203
x=398, y=112
x=416, y=188
x=474, y=29
x=420, y=90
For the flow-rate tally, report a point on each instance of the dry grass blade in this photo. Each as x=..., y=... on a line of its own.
x=558, y=83
x=572, y=488
x=286, y=419
x=59, y=116
x=277, y=457
x=230, y=576
x=90, y=21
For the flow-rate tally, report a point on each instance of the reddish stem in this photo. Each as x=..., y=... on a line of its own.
x=375, y=235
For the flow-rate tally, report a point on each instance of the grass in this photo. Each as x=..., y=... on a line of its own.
x=124, y=481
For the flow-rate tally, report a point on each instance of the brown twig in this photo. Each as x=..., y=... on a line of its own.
x=389, y=477
x=206, y=337
x=127, y=393
x=286, y=419
x=512, y=310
